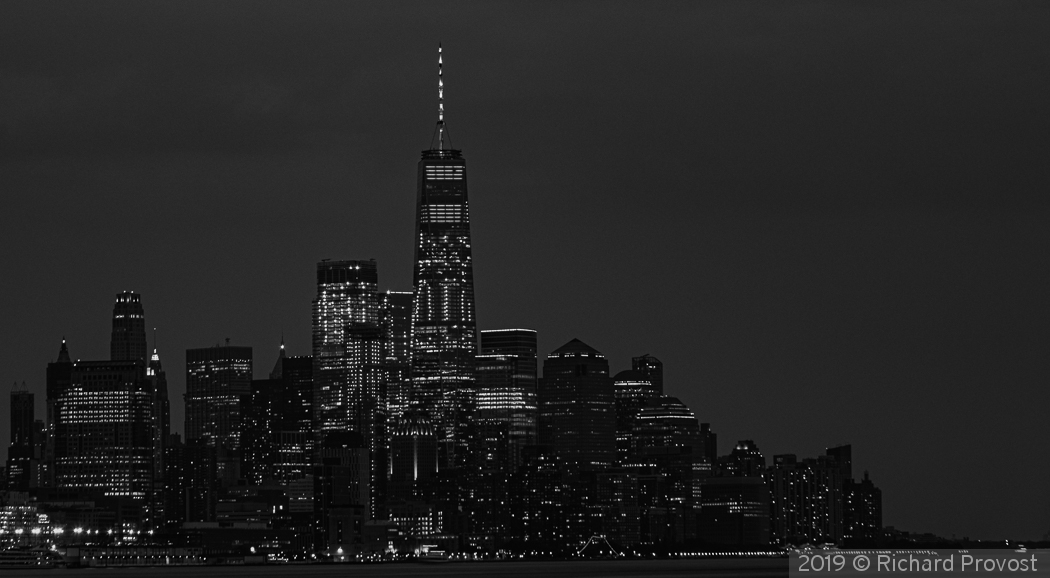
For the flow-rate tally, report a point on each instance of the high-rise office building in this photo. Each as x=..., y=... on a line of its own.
x=218, y=380
x=349, y=371
x=104, y=430
x=806, y=500
x=632, y=390
x=665, y=422
x=651, y=369
x=161, y=416
x=59, y=376
x=862, y=513
x=128, y=341
x=506, y=384
x=413, y=456
x=21, y=456
x=396, y=322
x=278, y=423
x=577, y=407
x=444, y=340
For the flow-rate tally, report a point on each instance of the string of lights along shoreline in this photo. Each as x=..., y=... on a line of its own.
x=407, y=433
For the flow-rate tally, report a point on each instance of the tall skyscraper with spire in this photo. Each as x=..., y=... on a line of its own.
x=444, y=338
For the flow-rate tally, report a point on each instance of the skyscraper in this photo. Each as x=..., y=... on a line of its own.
x=349, y=371
x=161, y=416
x=103, y=430
x=218, y=379
x=577, y=407
x=396, y=321
x=506, y=384
x=20, y=454
x=59, y=376
x=128, y=341
x=444, y=339
x=651, y=368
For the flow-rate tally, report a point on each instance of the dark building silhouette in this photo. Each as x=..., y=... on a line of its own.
x=806, y=500
x=734, y=511
x=665, y=422
x=341, y=493
x=667, y=455
x=744, y=461
x=843, y=456
x=349, y=369
x=218, y=380
x=444, y=339
x=278, y=422
x=23, y=453
x=710, y=440
x=396, y=323
x=294, y=440
x=161, y=432
x=128, y=341
x=414, y=458
x=862, y=514
x=651, y=369
x=577, y=407
x=632, y=390
x=506, y=385
x=59, y=377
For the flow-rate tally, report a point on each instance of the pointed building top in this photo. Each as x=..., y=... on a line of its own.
x=63, y=354
x=441, y=102
x=278, y=368
x=575, y=348
x=441, y=133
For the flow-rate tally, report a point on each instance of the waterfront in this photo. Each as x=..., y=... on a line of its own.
x=750, y=568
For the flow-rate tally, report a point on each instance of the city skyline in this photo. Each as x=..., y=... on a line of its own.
x=882, y=316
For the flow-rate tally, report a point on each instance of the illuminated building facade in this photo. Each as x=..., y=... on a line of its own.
x=577, y=407
x=396, y=321
x=104, y=432
x=444, y=339
x=349, y=372
x=128, y=340
x=506, y=383
x=218, y=380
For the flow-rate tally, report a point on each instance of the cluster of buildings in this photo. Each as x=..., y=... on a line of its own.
x=406, y=430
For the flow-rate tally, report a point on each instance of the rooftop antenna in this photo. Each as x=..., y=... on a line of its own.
x=441, y=104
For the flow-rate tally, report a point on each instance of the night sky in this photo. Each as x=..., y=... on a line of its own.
x=828, y=219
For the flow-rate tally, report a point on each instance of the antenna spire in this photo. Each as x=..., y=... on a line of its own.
x=441, y=103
